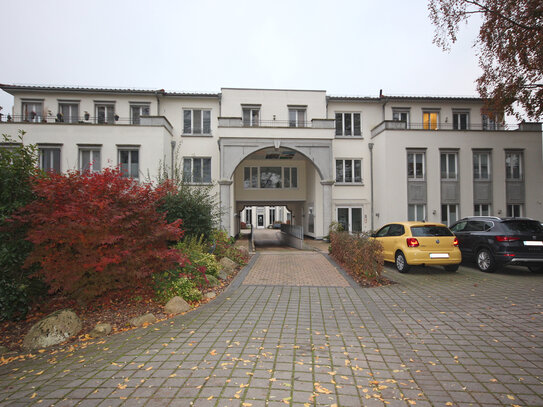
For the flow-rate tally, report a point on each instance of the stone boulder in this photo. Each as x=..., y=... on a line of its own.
x=243, y=250
x=210, y=295
x=222, y=275
x=213, y=281
x=142, y=320
x=53, y=329
x=228, y=265
x=176, y=305
x=100, y=330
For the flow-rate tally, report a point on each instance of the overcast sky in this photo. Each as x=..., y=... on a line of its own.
x=351, y=48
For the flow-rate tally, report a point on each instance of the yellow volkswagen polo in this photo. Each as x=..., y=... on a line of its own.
x=419, y=243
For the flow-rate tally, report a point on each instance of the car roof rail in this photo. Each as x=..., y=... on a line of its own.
x=481, y=216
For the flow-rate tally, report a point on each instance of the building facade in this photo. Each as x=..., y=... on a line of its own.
x=360, y=161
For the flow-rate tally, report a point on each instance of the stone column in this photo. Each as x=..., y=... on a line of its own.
x=225, y=188
x=326, y=205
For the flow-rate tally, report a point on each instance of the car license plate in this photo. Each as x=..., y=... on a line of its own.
x=439, y=255
x=533, y=243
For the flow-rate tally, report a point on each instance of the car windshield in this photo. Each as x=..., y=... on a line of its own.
x=523, y=226
x=421, y=231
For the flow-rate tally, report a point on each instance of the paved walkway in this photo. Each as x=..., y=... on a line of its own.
x=434, y=339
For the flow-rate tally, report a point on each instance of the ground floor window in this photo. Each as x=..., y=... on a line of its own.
x=514, y=210
x=129, y=159
x=481, y=210
x=248, y=216
x=416, y=212
x=350, y=219
x=272, y=216
x=89, y=159
x=449, y=214
x=49, y=159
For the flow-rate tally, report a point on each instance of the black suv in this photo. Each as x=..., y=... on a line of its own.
x=494, y=242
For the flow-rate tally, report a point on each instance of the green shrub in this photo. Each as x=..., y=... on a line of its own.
x=359, y=253
x=212, y=280
x=169, y=284
x=208, y=261
x=224, y=247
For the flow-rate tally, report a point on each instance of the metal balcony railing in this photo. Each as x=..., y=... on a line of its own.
x=37, y=118
x=313, y=124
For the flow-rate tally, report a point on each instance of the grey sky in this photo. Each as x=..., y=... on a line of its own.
x=344, y=47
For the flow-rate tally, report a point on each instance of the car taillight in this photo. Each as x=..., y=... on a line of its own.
x=412, y=242
x=455, y=242
x=506, y=238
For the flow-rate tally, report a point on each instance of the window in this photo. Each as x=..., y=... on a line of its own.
x=50, y=159
x=251, y=116
x=105, y=113
x=488, y=122
x=272, y=216
x=449, y=214
x=349, y=171
x=296, y=117
x=348, y=124
x=136, y=111
x=249, y=216
x=32, y=111
x=197, y=170
x=196, y=121
x=270, y=177
x=129, y=159
x=350, y=219
x=481, y=210
x=290, y=177
x=250, y=177
x=415, y=166
x=400, y=115
x=513, y=165
x=449, y=165
x=416, y=212
x=514, y=210
x=69, y=112
x=481, y=166
x=430, y=120
x=310, y=220
x=460, y=120
x=90, y=159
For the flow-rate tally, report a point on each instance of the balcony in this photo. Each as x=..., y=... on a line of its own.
x=402, y=125
x=313, y=124
x=235, y=127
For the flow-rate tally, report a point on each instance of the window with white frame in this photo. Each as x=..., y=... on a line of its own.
x=416, y=212
x=290, y=176
x=249, y=216
x=90, y=158
x=129, y=160
x=32, y=111
x=415, y=166
x=270, y=177
x=197, y=170
x=137, y=110
x=250, y=177
x=481, y=210
x=105, y=113
x=196, y=121
x=481, y=165
x=513, y=165
x=449, y=166
x=272, y=216
x=251, y=116
x=49, y=158
x=400, y=115
x=348, y=171
x=449, y=214
x=489, y=123
x=430, y=120
x=69, y=112
x=460, y=120
x=514, y=210
x=350, y=218
x=348, y=124
x=296, y=117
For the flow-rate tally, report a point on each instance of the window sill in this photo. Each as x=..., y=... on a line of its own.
x=349, y=137
x=198, y=184
x=196, y=135
x=349, y=184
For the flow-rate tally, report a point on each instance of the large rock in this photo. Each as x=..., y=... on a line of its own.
x=243, y=250
x=53, y=329
x=142, y=320
x=222, y=275
x=212, y=280
x=210, y=295
x=100, y=330
x=228, y=265
x=176, y=305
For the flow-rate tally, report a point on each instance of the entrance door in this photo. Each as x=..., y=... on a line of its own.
x=260, y=221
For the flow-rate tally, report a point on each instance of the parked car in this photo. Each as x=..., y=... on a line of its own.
x=494, y=242
x=419, y=243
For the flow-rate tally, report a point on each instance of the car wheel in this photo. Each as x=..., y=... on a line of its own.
x=451, y=267
x=536, y=269
x=401, y=263
x=485, y=261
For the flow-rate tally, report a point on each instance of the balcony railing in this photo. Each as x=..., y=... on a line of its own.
x=239, y=122
x=74, y=119
x=401, y=125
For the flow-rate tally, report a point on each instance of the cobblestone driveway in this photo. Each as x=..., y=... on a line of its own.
x=434, y=339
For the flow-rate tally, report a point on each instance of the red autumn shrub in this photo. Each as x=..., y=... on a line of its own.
x=93, y=232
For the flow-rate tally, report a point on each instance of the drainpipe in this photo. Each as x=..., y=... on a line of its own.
x=173, y=154
x=370, y=145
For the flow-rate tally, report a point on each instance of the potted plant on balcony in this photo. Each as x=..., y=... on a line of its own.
x=86, y=116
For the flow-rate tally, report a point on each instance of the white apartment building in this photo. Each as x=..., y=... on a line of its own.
x=361, y=161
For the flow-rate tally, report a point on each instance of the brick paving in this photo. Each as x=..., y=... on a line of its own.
x=433, y=339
